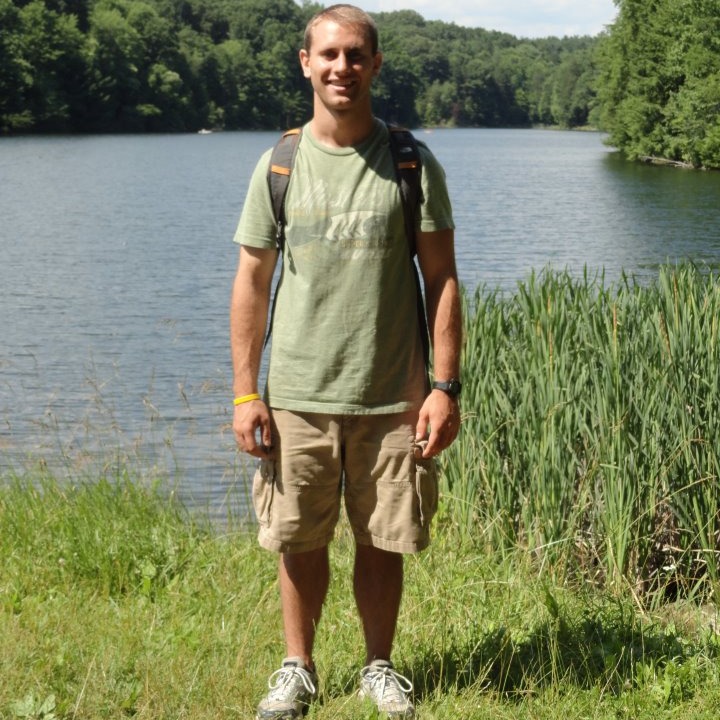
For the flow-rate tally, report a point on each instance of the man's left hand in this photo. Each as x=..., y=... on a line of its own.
x=439, y=422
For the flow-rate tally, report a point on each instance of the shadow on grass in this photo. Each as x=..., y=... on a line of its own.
x=598, y=650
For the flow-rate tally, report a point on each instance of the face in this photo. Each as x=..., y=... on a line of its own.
x=340, y=65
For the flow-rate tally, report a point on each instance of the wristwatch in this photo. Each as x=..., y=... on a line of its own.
x=452, y=387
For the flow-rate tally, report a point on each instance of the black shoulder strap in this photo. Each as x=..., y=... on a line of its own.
x=408, y=169
x=282, y=160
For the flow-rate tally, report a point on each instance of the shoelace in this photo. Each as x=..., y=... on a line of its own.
x=280, y=679
x=393, y=686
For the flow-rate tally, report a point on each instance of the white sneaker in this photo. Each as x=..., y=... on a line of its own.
x=388, y=689
x=292, y=688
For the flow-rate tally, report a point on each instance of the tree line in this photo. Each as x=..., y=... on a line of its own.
x=652, y=80
x=181, y=65
x=658, y=84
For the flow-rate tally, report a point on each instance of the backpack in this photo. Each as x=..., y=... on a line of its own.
x=408, y=167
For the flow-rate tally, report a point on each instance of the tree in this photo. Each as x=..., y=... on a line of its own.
x=15, y=71
x=116, y=54
x=658, y=85
x=43, y=66
x=573, y=90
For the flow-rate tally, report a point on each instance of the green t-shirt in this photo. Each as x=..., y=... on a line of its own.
x=345, y=336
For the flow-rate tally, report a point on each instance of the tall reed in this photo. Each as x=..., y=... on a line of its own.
x=591, y=423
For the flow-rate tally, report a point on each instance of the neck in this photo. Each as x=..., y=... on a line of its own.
x=341, y=129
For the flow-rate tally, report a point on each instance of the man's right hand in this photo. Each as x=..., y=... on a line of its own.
x=248, y=417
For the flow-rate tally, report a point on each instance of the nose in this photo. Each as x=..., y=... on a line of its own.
x=342, y=63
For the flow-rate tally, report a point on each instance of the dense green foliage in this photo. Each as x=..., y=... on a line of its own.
x=473, y=77
x=652, y=81
x=592, y=418
x=150, y=65
x=660, y=80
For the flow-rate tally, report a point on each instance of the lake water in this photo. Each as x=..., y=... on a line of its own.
x=116, y=263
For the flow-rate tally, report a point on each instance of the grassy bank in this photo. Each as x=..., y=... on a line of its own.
x=114, y=604
x=573, y=574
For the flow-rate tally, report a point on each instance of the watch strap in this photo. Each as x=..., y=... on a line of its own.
x=452, y=387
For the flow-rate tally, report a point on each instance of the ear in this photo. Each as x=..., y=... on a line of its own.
x=304, y=62
x=377, y=63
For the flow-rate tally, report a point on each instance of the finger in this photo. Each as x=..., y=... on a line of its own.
x=245, y=438
x=440, y=438
x=266, y=434
x=432, y=447
x=251, y=446
x=421, y=429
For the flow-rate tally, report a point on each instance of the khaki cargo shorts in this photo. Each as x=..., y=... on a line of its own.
x=390, y=496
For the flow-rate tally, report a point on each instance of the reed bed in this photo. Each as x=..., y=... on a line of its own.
x=591, y=422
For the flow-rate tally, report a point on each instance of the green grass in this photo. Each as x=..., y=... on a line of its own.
x=114, y=604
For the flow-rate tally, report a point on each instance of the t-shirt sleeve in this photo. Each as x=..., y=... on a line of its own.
x=436, y=209
x=257, y=226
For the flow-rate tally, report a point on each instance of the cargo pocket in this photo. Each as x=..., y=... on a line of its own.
x=426, y=487
x=263, y=491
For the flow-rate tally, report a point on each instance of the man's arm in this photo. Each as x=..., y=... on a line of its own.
x=440, y=413
x=249, y=306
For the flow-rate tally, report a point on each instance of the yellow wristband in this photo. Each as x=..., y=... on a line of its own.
x=246, y=398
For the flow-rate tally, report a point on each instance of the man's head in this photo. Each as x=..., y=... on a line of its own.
x=345, y=15
x=341, y=59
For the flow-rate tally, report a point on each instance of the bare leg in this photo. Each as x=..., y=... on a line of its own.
x=304, y=579
x=378, y=584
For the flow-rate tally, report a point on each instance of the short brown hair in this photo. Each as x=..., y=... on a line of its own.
x=344, y=14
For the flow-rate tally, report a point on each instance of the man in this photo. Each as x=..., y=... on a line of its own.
x=346, y=410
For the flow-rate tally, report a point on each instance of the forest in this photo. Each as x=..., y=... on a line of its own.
x=658, y=87
x=651, y=80
x=182, y=65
